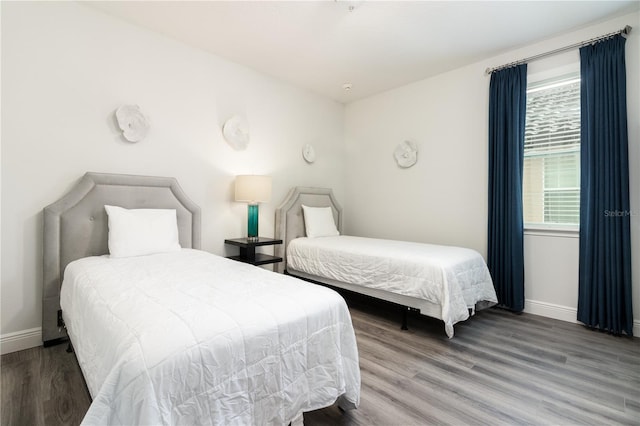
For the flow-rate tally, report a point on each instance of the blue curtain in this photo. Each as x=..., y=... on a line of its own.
x=505, y=257
x=604, y=299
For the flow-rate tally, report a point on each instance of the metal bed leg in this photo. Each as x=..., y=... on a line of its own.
x=405, y=310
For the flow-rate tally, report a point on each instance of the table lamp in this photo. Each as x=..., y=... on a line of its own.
x=253, y=189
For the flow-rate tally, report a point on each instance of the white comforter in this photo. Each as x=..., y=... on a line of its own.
x=193, y=338
x=454, y=278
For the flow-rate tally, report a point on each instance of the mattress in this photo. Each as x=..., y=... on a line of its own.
x=454, y=278
x=193, y=338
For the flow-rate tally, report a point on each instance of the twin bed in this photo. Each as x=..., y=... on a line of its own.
x=444, y=282
x=175, y=335
x=167, y=334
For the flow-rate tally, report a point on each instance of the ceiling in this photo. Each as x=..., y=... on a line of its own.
x=373, y=45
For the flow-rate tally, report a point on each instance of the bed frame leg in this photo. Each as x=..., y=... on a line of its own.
x=405, y=310
x=69, y=347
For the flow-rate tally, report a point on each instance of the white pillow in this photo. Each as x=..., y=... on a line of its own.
x=318, y=222
x=141, y=231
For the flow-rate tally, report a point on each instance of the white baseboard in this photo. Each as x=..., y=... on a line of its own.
x=550, y=310
x=20, y=340
x=562, y=313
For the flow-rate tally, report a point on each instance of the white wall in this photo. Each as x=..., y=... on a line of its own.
x=443, y=198
x=67, y=67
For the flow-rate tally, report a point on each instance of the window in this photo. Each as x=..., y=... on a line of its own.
x=551, y=187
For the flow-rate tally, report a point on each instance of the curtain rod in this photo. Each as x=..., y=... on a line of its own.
x=625, y=31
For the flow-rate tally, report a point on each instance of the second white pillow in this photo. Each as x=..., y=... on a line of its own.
x=319, y=222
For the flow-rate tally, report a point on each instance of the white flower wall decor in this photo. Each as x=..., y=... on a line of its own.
x=308, y=153
x=406, y=154
x=132, y=122
x=236, y=132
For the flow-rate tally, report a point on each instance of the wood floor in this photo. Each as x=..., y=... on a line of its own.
x=500, y=368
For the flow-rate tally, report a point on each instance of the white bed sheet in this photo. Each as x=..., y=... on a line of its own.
x=194, y=338
x=454, y=278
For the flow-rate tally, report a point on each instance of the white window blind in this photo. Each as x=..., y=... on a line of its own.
x=551, y=187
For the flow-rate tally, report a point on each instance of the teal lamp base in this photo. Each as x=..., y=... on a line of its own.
x=252, y=224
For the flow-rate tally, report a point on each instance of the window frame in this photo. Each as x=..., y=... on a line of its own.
x=546, y=229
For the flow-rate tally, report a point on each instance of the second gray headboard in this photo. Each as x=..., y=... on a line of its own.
x=76, y=226
x=290, y=220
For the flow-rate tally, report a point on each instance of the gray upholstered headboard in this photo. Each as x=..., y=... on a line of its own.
x=290, y=220
x=76, y=226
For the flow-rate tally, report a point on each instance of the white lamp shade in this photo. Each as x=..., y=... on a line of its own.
x=253, y=189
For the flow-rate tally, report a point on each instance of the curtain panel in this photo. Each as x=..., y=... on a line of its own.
x=505, y=257
x=604, y=299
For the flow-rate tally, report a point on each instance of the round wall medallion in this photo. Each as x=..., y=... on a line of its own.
x=132, y=122
x=308, y=153
x=406, y=154
x=236, y=132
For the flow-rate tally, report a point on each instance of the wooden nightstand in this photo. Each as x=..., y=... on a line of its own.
x=248, y=250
